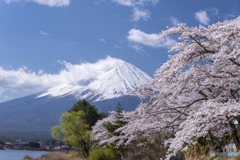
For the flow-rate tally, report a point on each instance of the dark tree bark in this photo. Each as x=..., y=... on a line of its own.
x=235, y=134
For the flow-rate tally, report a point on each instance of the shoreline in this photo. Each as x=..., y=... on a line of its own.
x=34, y=150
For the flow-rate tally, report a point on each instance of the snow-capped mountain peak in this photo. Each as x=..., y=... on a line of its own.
x=111, y=84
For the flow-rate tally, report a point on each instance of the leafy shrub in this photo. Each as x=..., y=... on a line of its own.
x=102, y=154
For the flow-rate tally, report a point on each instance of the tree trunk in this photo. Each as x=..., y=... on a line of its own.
x=213, y=141
x=85, y=149
x=235, y=134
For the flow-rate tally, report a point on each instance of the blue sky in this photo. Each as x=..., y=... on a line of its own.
x=48, y=42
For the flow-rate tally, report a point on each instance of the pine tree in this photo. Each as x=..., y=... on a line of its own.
x=112, y=127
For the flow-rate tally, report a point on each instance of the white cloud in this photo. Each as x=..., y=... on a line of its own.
x=132, y=3
x=1, y=91
x=25, y=81
x=117, y=46
x=175, y=21
x=215, y=11
x=202, y=17
x=44, y=33
x=96, y=3
x=136, y=4
x=4, y=97
x=138, y=14
x=137, y=47
x=140, y=37
x=40, y=72
x=119, y=41
x=125, y=2
x=229, y=16
x=102, y=40
x=9, y=1
x=50, y=3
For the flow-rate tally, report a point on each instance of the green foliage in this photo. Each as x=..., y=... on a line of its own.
x=117, y=124
x=102, y=154
x=142, y=139
x=202, y=141
x=34, y=145
x=91, y=115
x=75, y=127
x=73, y=131
x=112, y=127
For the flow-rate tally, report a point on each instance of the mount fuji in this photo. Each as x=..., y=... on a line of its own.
x=112, y=84
x=41, y=111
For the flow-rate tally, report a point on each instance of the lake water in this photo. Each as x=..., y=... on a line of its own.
x=19, y=154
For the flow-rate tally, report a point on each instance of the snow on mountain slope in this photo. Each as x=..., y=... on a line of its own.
x=111, y=84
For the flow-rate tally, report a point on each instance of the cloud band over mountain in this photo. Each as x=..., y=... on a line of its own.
x=25, y=81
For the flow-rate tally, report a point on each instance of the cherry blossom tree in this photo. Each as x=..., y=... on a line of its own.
x=195, y=93
x=100, y=130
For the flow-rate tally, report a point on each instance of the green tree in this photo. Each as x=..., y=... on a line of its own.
x=111, y=128
x=91, y=114
x=74, y=131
